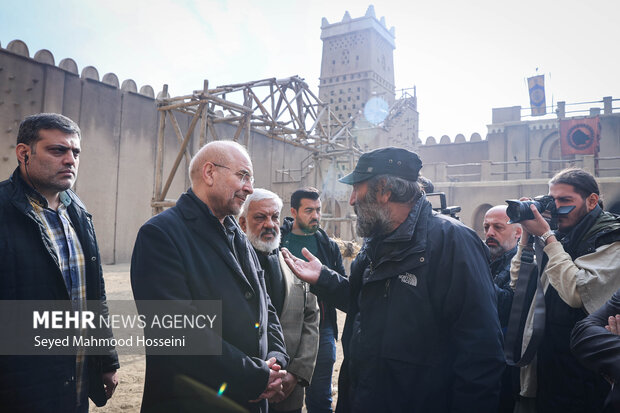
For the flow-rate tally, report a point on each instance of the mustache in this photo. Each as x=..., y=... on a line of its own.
x=268, y=231
x=491, y=239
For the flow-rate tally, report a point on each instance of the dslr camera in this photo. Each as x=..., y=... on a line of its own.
x=519, y=211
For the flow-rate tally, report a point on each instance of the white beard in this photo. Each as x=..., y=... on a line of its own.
x=264, y=246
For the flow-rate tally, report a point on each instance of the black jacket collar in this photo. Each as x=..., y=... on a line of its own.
x=206, y=224
x=502, y=261
x=408, y=238
x=21, y=192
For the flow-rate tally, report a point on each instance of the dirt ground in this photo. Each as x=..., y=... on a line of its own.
x=128, y=394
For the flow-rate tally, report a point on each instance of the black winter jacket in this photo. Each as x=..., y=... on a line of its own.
x=500, y=271
x=28, y=271
x=599, y=349
x=422, y=332
x=329, y=255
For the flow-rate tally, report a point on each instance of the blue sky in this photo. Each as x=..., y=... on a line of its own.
x=465, y=57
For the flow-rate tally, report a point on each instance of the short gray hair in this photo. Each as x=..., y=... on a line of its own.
x=258, y=195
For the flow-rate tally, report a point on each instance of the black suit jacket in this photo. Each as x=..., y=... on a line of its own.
x=183, y=255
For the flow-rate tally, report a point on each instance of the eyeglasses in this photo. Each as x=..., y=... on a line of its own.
x=244, y=176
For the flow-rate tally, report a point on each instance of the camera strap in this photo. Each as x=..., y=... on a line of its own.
x=520, y=308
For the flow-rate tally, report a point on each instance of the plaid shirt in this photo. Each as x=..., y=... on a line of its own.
x=70, y=259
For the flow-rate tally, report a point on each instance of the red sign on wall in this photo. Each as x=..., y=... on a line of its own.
x=579, y=136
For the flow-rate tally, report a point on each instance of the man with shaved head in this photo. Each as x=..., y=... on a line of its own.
x=501, y=238
x=193, y=252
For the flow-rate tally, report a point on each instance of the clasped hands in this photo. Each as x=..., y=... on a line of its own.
x=274, y=384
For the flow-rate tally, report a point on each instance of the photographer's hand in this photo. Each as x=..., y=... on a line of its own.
x=537, y=226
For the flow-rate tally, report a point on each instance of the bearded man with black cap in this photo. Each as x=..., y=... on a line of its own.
x=422, y=332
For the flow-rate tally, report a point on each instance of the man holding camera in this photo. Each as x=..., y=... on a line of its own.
x=580, y=271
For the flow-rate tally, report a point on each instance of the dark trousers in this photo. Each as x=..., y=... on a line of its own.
x=319, y=393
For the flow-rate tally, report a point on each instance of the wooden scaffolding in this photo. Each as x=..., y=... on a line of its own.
x=282, y=109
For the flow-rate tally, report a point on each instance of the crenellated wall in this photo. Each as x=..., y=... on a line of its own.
x=119, y=124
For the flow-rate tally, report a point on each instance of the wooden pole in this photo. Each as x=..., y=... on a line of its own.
x=177, y=161
x=212, y=128
x=203, y=118
x=159, y=160
x=177, y=132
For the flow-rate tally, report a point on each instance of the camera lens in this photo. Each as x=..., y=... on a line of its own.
x=519, y=211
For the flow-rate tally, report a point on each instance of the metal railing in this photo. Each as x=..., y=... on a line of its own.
x=532, y=169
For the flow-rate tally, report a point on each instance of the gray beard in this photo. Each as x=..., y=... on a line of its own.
x=264, y=246
x=372, y=219
x=496, y=252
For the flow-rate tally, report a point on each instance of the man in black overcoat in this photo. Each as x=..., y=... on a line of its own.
x=195, y=251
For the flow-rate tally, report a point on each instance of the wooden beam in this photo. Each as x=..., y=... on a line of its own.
x=177, y=161
x=225, y=103
x=239, y=130
x=291, y=111
x=159, y=159
x=179, y=135
x=166, y=203
x=203, y=117
x=212, y=128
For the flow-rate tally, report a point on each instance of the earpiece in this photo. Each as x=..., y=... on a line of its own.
x=26, y=158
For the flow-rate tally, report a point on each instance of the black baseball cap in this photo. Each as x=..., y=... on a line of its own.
x=385, y=161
